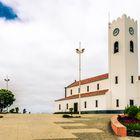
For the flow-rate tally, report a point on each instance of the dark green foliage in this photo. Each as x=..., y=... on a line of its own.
x=131, y=111
x=71, y=111
x=66, y=116
x=12, y=110
x=126, y=110
x=135, y=126
x=24, y=111
x=17, y=109
x=6, y=99
x=138, y=115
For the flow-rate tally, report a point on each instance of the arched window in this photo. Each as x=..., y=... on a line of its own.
x=116, y=47
x=131, y=46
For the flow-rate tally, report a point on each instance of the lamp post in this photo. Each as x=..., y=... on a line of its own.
x=7, y=80
x=80, y=51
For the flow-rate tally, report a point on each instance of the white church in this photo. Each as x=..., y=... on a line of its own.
x=113, y=91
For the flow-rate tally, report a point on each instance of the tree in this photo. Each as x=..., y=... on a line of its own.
x=6, y=99
x=17, y=109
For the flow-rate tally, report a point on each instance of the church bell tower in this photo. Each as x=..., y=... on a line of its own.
x=123, y=62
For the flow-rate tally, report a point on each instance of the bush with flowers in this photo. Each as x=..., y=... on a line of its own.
x=131, y=120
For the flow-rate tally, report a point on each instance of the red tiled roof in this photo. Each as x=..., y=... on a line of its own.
x=89, y=80
x=95, y=93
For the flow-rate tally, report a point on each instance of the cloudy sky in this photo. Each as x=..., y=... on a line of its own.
x=37, y=49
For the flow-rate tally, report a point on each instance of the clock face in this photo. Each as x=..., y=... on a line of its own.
x=131, y=30
x=116, y=31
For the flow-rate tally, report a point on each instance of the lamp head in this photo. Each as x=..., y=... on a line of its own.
x=77, y=50
x=83, y=50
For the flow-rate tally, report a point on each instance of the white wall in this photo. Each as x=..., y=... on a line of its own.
x=104, y=84
x=102, y=104
x=138, y=93
x=123, y=64
x=131, y=62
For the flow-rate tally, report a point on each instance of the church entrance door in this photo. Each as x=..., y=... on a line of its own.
x=75, y=107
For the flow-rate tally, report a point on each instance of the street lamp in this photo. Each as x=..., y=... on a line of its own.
x=79, y=51
x=7, y=80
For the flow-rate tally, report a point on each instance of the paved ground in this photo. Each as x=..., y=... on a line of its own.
x=54, y=127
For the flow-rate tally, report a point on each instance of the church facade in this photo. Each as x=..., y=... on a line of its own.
x=120, y=87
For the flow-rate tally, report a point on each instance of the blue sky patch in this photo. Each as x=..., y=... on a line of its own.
x=7, y=12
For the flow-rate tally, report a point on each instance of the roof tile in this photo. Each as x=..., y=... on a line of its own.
x=89, y=80
x=95, y=93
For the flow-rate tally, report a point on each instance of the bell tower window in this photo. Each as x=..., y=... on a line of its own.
x=116, y=47
x=116, y=79
x=131, y=46
x=132, y=79
x=117, y=103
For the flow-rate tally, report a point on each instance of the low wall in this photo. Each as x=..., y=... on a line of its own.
x=118, y=128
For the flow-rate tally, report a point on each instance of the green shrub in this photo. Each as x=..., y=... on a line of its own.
x=66, y=116
x=133, y=110
x=126, y=110
x=133, y=126
x=138, y=115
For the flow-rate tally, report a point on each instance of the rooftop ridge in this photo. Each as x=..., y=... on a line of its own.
x=89, y=80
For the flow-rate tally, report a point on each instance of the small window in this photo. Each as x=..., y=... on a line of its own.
x=116, y=79
x=78, y=90
x=67, y=106
x=96, y=103
x=85, y=104
x=98, y=86
x=116, y=47
x=59, y=106
x=65, y=92
x=87, y=88
x=131, y=46
x=117, y=103
x=71, y=92
x=132, y=79
x=131, y=102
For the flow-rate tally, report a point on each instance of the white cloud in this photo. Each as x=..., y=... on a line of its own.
x=38, y=52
